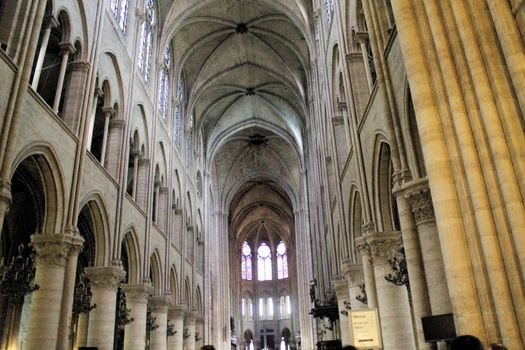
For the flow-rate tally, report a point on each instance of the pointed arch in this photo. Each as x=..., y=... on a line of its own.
x=131, y=257
x=156, y=273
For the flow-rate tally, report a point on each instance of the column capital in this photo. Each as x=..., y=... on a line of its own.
x=66, y=48
x=420, y=202
x=177, y=311
x=50, y=21
x=354, y=57
x=164, y=190
x=53, y=249
x=383, y=246
x=137, y=293
x=144, y=161
x=353, y=273
x=340, y=287
x=361, y=246
x=107, y=277
x=159, y=304
x=108, y=111
x=79, y=66
x=190, y=317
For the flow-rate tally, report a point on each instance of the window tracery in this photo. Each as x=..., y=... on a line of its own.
x=119, y=8
x=177, y=125
x=146, y=40
x=246, y=262
x=164, y=84
x=189, y=143
x=264, y=263
x=282, y=261
x=329, y=10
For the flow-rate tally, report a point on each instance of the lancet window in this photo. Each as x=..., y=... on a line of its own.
x=146, y=40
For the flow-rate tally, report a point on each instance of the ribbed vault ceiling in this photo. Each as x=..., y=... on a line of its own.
x=245, y=65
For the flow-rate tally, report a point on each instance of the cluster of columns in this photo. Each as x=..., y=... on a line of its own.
x=400, y=307
x=50, y=310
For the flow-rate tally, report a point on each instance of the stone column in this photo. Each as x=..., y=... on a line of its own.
x=162, y=209
x=416, y=269
x=82, y=330
x=5, y=201
x=49, y=23
x=362, y=247
x=67, y=49
x=104, y=284
x=108, y=113
x=137, y=302
x=176, y=318
x=199, y=333
x=159, y=312
x=46, y=305
x=74, y=94
x=68, y=294
x=353, y=274
x=423, y=212
x=343, y=303
x=189, y=325
x=393, y=304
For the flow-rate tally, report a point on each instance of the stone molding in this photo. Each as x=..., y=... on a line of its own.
x=105, y=278
x=144, y=161
x=137, y=293
x=354, y=57
x=54, y=249
x=159, y=304
x=66, y=47
x=79, y=66
x=117, y=123
x=421, y=204
x=361, y=246
x=353, y=273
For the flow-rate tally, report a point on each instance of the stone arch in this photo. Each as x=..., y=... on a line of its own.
x=95, y=215
x=198, y=301
x=41, y=161
x=187, y=292
x=156, y=273
x=174, y=285
x=131, y=257
x=355, y=215
x=386, y=207
x=412, y=139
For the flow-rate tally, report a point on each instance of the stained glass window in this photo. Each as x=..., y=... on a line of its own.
x=119, y=8
x=264, y=263
x=164, y=85
x=177, y=125
x=146, y=40
x=262, y=309
x=189, y=143
x=269, y=305
x=285, y=308
x=282, y=261
x=246, y=262
x=329, y=10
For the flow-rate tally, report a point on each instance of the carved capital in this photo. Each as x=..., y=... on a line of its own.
x=105, y=278
x=361, y=246
x=177, y=312
x=117, y=124
x=109, y=111
x=144, y=161
x=421, y=204
x=340, y=287
x=383, y=247
x=353, y=273
x=354, y=57
x=190, y=318
x=159, y=304
x=79, y=66
x=137, y=293
x=53, y=249
x=66, y=48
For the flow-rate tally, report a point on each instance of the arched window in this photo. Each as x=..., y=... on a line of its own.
x=146, y=40
x=282, y=261
x=246, y=262
x=119, y=8
x=262, y=309
x=164, y=84
x=264, y=263
x=269, y=308
x=329, y=10
x=189, y=143
x=285, y=307
x=177, y=125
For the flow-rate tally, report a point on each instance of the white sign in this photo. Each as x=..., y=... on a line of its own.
x=364, y=325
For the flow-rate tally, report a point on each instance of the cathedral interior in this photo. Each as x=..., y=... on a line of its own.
x=261, y=174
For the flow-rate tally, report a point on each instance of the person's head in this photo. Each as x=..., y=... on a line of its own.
x=349, y=347
x=208, y=347
x=466, y=342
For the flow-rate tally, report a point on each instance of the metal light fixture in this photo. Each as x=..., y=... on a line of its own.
x=82, y=298
x=18, y=277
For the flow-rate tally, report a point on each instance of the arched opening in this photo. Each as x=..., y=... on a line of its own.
x=388, y=212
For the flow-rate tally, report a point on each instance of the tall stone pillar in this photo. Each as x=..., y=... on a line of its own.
x=5, y=201
x=116, y=133
x=104, y=284
x=82, y=330
x=46, y=305
x=199, y=333
x=159, y=311
x=49, y=23
x=176, y=318
x=353, y=274
x=67, y=49
x=189, y=326
x=362, y=247
x=393, y=304
x=74, y=94
x=343, y=303
x=162, y=210
x=137, y=302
